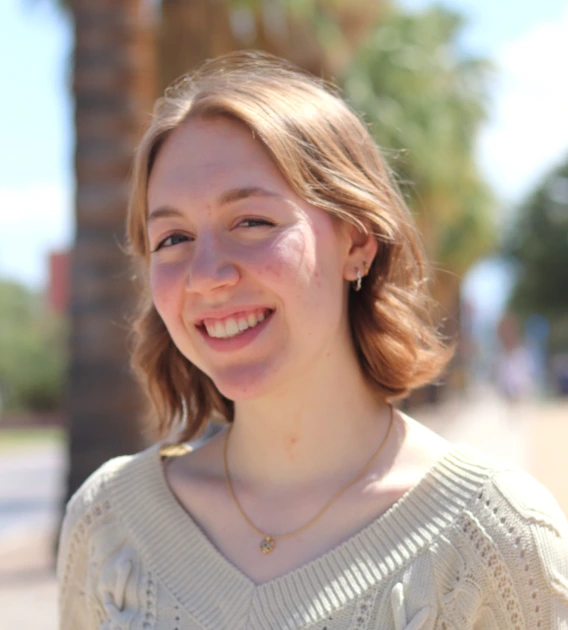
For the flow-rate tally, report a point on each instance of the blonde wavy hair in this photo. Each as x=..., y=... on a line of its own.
x=328, y=157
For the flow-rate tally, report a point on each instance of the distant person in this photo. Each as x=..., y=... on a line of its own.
x=286, y=296
x=515, y=368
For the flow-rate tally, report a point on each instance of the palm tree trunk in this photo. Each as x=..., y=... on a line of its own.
x=113, y=86
x=192, y=31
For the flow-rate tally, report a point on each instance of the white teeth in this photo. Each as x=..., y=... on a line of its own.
x=231, y=327
x=219, y=330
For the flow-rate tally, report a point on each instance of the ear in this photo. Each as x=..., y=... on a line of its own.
x=362, y=251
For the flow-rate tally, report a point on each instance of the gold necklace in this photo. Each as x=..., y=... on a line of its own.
x=269, y=542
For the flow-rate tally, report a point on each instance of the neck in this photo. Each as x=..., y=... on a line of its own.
x=324, y=432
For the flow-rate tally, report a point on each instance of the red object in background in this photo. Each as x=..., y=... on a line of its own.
x=58, y=282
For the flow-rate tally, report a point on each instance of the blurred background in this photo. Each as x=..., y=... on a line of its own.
x=466, y=99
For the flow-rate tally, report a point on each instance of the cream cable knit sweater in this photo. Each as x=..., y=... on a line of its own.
x=475, y=545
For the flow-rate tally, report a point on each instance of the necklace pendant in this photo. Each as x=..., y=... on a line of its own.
x=267, y=544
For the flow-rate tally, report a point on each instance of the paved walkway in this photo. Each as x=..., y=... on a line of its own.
x=533, y=436
x=30, y=486
x=28, y=591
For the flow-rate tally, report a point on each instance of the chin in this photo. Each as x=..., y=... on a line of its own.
x=243, y=383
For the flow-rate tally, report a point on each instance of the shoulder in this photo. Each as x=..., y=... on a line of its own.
x=514, y=532
x=511, y=495
x=531, y=524
x=97, y=488
x=95, y=542
x=506, y=486
x=527, y=498
x=94, y=503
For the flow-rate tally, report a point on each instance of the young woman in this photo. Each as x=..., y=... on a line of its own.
x=286, y=297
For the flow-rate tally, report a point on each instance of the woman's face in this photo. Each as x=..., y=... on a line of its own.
x=247, y=277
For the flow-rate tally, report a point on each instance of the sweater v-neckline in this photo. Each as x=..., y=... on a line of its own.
x=215, y=592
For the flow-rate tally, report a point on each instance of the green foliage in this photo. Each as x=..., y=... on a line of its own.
x=422, y=96
x=539, y=245
x=32, y=351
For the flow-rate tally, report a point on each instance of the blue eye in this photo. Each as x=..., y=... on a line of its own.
x=171, y=240
x=254, y=223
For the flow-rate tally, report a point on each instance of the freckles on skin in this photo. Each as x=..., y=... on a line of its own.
x=290, y=256
x=274, y=270
x=297, y=244
x=162, y=278
x=169, y=302
x=317, y=280
x=292, y=437
x=290, y=447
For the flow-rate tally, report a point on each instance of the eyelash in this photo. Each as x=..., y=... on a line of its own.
x=259, y=222
x=256, y=222
x=162, y=244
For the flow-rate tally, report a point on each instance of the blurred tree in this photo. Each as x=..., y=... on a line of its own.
x=423, y=96
x=190, y=32
x=113, y=88
x=538, y=242
x=32, y=352
x=318, y=35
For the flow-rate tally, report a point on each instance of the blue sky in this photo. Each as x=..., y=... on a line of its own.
x=36, y=177
x=527, y=132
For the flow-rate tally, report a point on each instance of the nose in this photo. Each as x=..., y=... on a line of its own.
x=211, y=267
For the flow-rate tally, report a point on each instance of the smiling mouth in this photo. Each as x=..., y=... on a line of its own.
x=233, y=326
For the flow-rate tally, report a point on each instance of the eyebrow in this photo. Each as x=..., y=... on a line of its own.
x=229, y=196
x=236, y=194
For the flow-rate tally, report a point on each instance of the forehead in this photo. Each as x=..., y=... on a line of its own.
x=209, y=151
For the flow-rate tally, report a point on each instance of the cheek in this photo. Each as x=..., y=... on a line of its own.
x=291, y=259
x=327, y=284
x=303, y=274
x=165, y=284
